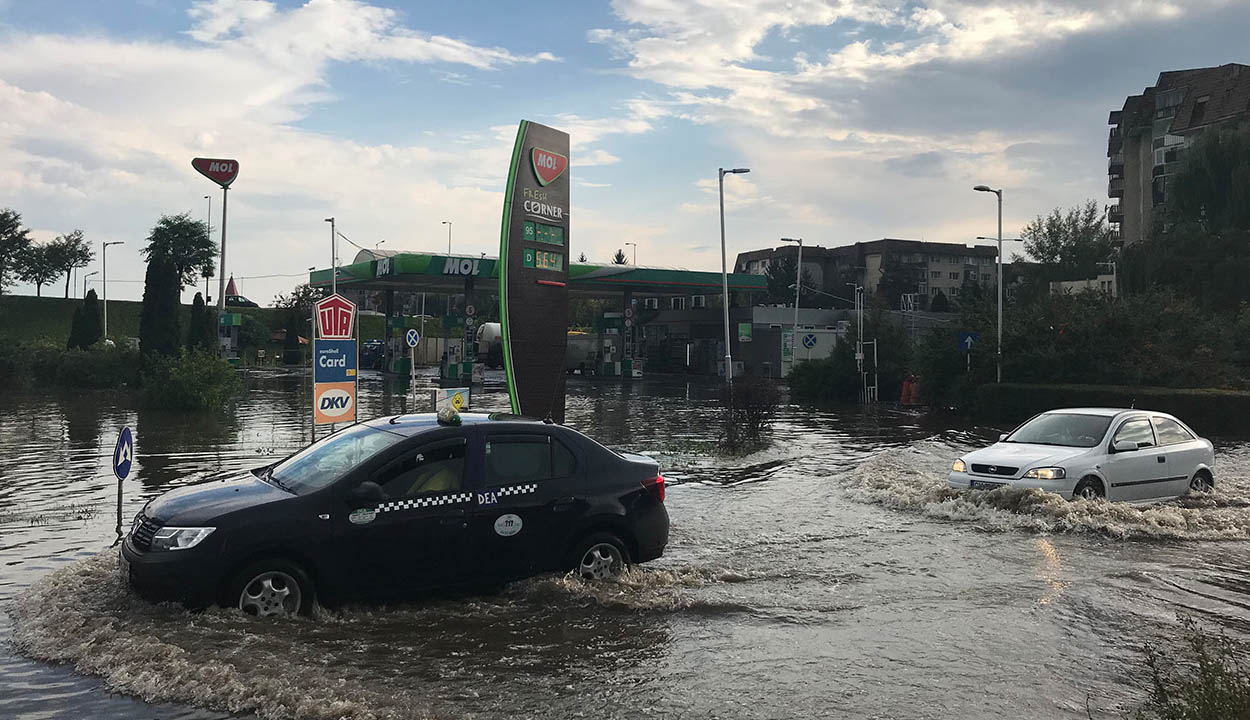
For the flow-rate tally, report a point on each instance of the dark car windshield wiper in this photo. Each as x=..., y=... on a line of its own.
x=266, y=475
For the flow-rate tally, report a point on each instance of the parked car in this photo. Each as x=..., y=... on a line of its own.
x=1117, y=454
x=396, y=505
x=239, y=301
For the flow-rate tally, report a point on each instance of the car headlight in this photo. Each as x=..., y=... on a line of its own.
x=958, y=466
x=179, y=538
x=1046, y=473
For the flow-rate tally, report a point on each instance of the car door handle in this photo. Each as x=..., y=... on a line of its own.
x=1162, y=458
x=563, y=504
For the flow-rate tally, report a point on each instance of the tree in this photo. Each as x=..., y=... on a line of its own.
x=581, y=258
x=159, y=324
x=14, y=242
x=780, y=276
x=939, y=303
x=201, y=333
x=619, y=258
x=897, y=279
x=1070, y=244
x=303, y=297
x=70, y=252
x=87, y=327
x=1212, y=189
x=185, y=244
x=39, y=266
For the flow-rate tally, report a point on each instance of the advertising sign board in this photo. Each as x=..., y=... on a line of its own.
x=335, y=362
x=221, y=171
x=533, y=282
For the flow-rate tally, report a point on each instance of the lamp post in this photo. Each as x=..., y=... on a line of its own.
x=209, y=198
x=798, y=282
x=724, y=268
x=999, y=193
x=376, y=244
x=104, y=255
x=635, y=252
x=334, y=258
x=448, y=224
x=84, y=281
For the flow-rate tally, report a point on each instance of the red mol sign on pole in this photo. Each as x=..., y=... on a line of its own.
x=223, y=172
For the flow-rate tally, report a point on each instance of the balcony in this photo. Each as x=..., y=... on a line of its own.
x=1115, y=187
x=1115, y=214
x=1115, y=142
x=1115, y=164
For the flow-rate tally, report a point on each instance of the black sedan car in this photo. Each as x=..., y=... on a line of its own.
x=392, y=506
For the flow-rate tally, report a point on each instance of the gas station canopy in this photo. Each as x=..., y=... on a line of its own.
x=422, y=272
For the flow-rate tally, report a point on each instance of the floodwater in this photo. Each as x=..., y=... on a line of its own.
x=832, y=575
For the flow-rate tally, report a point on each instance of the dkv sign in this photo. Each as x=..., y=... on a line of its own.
x=335, y=402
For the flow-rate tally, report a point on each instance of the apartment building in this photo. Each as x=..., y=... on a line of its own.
x=926, y=268
x=1150, y=132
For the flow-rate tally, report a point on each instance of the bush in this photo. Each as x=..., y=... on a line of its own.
x=191, y=381
x=1202, y=679
x=99, y=367
x=750, y=407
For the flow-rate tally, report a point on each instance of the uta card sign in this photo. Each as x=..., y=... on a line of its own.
x=219, y=170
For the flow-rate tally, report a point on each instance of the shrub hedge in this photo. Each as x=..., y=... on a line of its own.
x=1208, y=411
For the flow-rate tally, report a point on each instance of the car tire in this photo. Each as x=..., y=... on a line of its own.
x=1202, y=483
x=1089, y=488
x=271, y=587
x=599, y=556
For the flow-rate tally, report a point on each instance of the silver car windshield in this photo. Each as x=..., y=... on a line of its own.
x=325, y=461
x=1063, y=429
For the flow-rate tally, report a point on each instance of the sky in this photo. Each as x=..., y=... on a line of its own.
x=859, y=119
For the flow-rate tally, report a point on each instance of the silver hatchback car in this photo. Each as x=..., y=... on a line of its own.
x=1112, y=453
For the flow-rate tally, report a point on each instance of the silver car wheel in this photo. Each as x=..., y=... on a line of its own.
x=602, y=561
x=270, y=593
x=1201, y=484
x=1089, y=492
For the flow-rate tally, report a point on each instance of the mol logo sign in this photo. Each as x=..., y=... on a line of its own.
x=336, y=318
x=222, y=172
x=461, y=266
x=548, y=165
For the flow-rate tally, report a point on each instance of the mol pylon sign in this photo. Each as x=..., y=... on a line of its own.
x=335, y=361
x=533, y=282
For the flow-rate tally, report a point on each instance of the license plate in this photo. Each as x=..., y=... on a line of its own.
x=984, y=485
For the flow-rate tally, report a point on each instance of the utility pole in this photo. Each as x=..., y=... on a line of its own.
x=724, y=268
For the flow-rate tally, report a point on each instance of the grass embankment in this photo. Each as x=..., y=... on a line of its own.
x=47, y=320
x=1207, y=410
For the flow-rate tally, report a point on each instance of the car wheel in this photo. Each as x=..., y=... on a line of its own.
x=1202, y=482
x=600, y=556
x=270, y=588
x=1089, y=489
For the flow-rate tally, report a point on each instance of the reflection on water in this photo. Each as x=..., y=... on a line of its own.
x=832, y=574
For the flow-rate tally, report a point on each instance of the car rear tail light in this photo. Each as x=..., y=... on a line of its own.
x=656, y=485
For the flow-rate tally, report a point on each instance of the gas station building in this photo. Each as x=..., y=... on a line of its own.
x=661, y=319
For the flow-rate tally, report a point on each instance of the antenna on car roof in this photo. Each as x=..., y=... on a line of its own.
x=1132, y=405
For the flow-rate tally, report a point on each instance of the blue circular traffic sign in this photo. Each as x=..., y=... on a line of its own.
x=809, y=341
x=123, y=454
x=412, y=337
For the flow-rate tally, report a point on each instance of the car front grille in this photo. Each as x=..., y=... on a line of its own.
x=994, y=470
x=142, y=531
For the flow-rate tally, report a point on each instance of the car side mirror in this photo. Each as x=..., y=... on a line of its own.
x=368, y=491
x=1124, y=446
x=1002, y=437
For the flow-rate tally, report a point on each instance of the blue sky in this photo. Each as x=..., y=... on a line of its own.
x=860, y=119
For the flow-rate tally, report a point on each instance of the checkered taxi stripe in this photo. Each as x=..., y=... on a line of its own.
x=518, y=489
x=431, y=501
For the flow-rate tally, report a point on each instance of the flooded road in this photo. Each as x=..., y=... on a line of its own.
x=830, y=575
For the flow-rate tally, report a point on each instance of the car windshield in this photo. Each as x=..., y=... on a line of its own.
x=325, y=461
x=1068, y=430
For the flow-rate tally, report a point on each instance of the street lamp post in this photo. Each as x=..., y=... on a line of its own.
x=798, y=282
x=448, y=224
x=376, y=244
x=999, y=193
x=209, y=198
x=104, y=261
x=84, y=281
x=724, y=268
x=334, y=258
x=635, y=252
